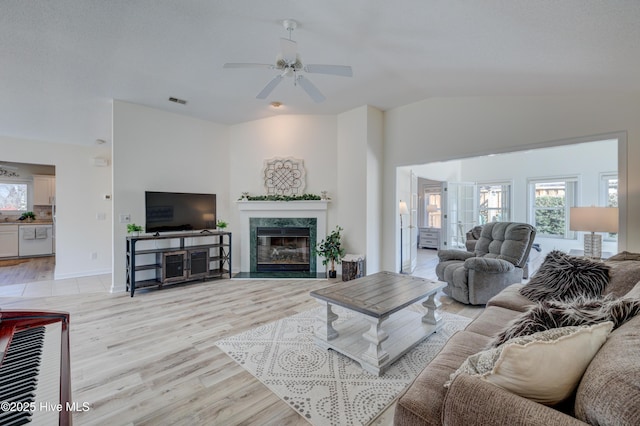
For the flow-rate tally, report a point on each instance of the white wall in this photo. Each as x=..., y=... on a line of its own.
x=160, y=151
x=359, y=168
x=306, y=137
x=373, y=209
x=351, y=169
x=444, y=171
x=80, y=190
x=439, y=129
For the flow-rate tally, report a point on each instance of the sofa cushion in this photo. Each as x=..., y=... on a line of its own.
x=510, y=298
x=626, y=255
x=623, y=275
x=564, y=277
x=545, y=367
x=634, y=293
x=473, y=401
x=492, y=321
x=609, y=392
x=421, y=402
x=581, y=311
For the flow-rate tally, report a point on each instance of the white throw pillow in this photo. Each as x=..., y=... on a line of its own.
x=545, y=367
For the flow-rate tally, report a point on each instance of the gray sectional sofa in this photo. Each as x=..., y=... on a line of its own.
x=608, y=392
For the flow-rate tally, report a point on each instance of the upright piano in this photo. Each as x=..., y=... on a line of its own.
x=35, y=376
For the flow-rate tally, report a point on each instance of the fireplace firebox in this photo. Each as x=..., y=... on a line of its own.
x=283, y=249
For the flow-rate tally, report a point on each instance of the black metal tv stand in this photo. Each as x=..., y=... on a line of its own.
x=159, y=259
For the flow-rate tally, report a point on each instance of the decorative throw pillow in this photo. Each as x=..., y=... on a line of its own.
x=564, y=277
x=545, y=367
x=580, y=311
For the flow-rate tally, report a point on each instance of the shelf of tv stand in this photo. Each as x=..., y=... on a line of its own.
x=217, y=259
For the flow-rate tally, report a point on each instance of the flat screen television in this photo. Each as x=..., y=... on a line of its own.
x=179, y=211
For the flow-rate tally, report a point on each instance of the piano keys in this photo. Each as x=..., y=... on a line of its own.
x=35, y=377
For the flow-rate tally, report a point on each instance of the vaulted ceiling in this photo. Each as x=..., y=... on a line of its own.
x=63, y=61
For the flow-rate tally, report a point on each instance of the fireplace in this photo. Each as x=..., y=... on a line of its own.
x=282, y=245
x=283, y=249
x=290, y=217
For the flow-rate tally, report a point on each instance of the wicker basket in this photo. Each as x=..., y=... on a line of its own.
x=352, y=267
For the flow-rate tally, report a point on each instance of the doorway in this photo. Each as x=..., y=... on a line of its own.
x=27, y=211
x=592, y=164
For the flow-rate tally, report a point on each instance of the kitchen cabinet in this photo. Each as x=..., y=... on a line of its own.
x=44, y=190
x=35, y=240
x=8, y=240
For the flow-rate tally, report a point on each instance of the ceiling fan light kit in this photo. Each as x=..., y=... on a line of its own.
x=290, y=65
x=290, y=25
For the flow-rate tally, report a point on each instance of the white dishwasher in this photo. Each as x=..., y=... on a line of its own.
x=35, y=240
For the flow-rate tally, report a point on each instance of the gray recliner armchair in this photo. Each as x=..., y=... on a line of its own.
x=472, y=237
x=498, y=260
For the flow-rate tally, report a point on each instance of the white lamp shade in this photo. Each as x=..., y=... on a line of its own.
x=403, y=208
x=432, y=208
x=593, y=219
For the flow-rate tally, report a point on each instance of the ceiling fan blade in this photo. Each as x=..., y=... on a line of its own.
x=311, y=90
x=269, y=87
x=289, y=50
x=342, y=70
x=246, y=65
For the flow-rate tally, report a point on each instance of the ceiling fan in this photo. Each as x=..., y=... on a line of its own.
x=290, y=65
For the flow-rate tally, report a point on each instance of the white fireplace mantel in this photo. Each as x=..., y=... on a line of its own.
x=283, y=205
x=274, y=209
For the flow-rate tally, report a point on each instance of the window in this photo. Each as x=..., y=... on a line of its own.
x=609, y=190
x=609, y=196
x=494, y=202
x=551, y=200
x=432, y=208
x=13, y=197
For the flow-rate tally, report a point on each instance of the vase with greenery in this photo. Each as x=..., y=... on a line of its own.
x=134, y=229
x=331, y=250
x=221, y=225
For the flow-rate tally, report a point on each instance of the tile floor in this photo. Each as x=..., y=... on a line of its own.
x=92, y=284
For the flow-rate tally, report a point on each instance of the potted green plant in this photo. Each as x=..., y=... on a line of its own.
x=221, y=225
x=331, y=250
x=134, y=229
x=28, y=216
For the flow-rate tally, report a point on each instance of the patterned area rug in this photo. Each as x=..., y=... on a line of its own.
x=323, y=386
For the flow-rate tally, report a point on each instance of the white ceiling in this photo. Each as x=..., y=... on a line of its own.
x=62, y=61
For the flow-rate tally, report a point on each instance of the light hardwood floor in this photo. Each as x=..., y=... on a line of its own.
x=152, y=359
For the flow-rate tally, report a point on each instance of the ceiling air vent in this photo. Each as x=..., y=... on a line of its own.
x=178, y=101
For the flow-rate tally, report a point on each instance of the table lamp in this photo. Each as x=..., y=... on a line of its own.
x=593, y=219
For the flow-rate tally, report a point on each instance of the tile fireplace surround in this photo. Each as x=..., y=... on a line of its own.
x=283, y=213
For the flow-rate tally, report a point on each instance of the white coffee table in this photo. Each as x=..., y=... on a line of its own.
x=382, y=329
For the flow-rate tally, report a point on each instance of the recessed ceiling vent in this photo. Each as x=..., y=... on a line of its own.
x=178, y=101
